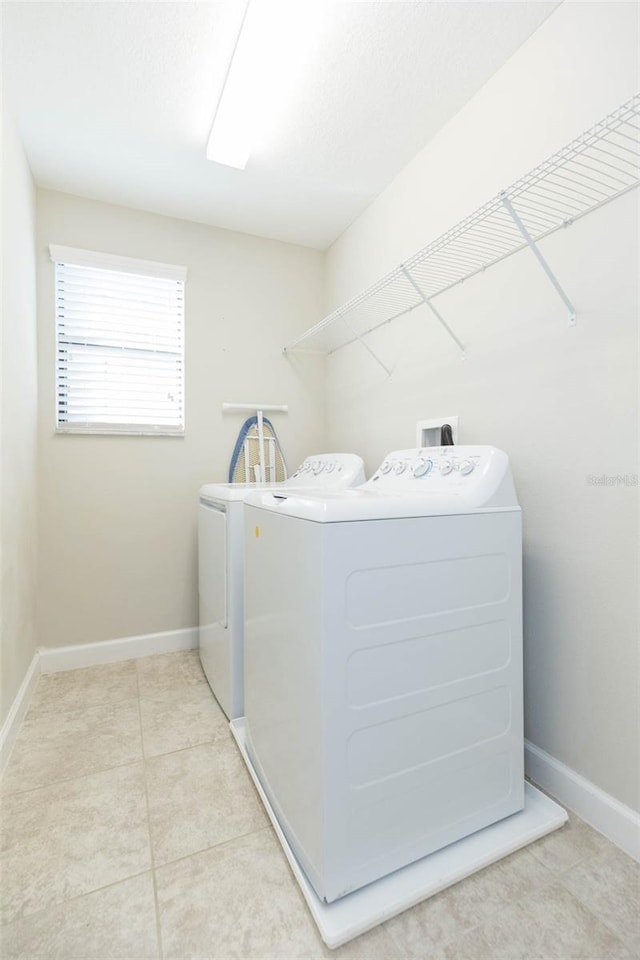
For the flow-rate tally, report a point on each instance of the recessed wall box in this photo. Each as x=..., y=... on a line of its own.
x=428, y=431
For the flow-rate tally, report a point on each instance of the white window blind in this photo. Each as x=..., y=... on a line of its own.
x=119, y=344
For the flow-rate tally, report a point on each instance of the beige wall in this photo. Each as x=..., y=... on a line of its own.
x=117, y=538
x=561, y=401
x=117, y=534
x=19, y=417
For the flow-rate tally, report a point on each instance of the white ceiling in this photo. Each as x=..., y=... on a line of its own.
x=115, y=101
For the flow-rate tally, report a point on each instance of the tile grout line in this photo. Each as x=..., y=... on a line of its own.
x=143, y=757
x=148, y=806
x=72, y=712
x=492, y=914
x=562, y=871
x=78, y=896
x=81, y=776
x=554, y=877
x=60, y=904
x=216, y=846
x=154, y=866
x=38, y=713
x=600, y=918
x=191, y=746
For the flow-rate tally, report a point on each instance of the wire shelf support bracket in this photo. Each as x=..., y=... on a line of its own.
x=368, y=348
x=434, y=311
x=598, y=166
x=535, y=249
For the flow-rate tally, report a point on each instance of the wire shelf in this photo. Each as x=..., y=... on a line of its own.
x=597, y=167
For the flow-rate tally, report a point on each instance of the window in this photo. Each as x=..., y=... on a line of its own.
x=119, y=344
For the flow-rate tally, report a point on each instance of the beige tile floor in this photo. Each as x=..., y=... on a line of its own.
x=130, y=829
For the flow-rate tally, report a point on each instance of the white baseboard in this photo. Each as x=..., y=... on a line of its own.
x=18, y=709
x=55, y=659
x=615, y=820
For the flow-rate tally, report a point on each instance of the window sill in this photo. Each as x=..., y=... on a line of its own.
x=117, y=431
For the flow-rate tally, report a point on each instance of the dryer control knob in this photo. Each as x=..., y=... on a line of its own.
x=386, y=466
x=422, y=467
x=318, y=467
x=399, y=467
x=330, y=467
x=466, y=467
x=445, y=467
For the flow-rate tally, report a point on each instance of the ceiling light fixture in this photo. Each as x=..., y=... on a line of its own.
x=271, y=50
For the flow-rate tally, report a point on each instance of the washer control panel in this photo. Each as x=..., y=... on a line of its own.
x=329, y=470
x=425, y=482
x=432, y=469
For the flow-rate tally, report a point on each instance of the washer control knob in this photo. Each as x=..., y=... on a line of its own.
x=318, y=467
x=422, y=467
x=466, y=467
x=445, y=467
x=386, y=467
x=330, y=467
x=399, y=467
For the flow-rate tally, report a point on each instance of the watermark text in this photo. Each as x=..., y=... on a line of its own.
x=612, y=479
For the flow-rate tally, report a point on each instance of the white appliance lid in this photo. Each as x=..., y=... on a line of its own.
x=436, y=481
x=321, y=471
x=214, y=492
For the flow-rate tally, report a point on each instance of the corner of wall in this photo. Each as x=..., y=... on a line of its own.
x=18, y=433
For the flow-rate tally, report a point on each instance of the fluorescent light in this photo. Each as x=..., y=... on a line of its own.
x=271, y=51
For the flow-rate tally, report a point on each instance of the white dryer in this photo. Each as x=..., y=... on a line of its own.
x=383, y=661
x=221, y=567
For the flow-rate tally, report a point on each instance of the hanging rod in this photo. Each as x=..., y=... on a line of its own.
x=595, y=168
x=268, y=407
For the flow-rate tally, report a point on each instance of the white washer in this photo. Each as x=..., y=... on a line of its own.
x=221, y=567
x=383, y=662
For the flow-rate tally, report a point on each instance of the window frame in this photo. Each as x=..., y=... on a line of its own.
x=119, y=264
